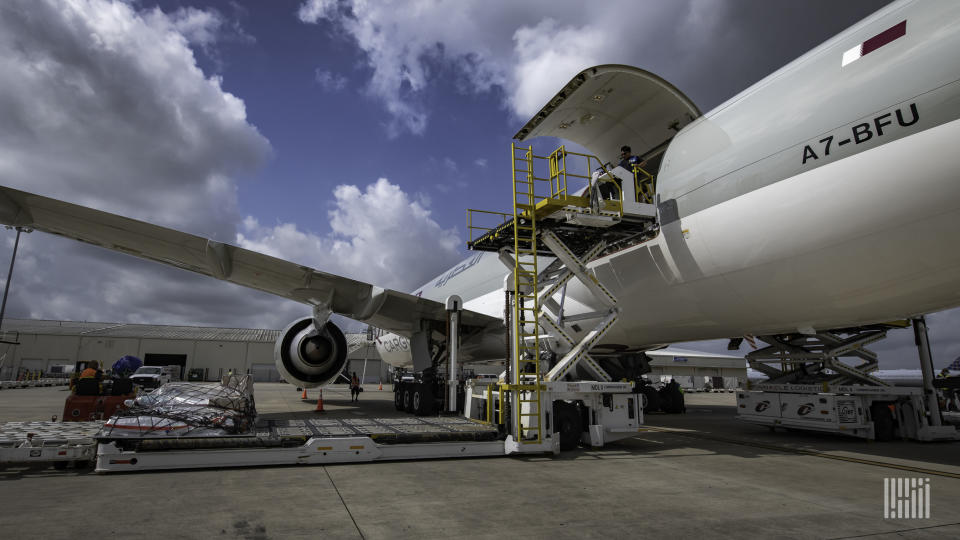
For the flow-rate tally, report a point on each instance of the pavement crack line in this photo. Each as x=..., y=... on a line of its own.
x=894, y=532
x=344, y=503
x=800, y=451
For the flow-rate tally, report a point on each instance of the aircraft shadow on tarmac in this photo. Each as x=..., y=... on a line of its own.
x=716, y=427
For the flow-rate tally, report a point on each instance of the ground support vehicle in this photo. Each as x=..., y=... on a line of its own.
x=573, y=413
x=813, y=390
x=870, y=412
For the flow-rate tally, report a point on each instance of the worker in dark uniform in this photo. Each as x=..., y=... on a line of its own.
x=354, y=387
x=629, y=162
x=633, y=163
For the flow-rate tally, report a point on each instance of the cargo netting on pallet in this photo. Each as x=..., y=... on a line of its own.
x=187, y=409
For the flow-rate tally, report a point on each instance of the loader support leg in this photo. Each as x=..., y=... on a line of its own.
x=926, y=368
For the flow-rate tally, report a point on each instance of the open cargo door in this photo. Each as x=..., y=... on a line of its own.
x=608, y=106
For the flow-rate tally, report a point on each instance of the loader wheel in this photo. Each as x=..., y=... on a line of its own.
x=567, y=423
x=882, y=421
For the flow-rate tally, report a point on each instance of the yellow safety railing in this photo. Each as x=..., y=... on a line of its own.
x=643, y=183
x=475, y=230
x=560, y=170
x=490, y=404
x=548, y=187
x=526, y=165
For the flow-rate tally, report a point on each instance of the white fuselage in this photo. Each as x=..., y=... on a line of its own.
x=766, y=239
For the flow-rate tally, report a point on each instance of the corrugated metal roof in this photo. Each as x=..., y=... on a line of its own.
x=145, y=331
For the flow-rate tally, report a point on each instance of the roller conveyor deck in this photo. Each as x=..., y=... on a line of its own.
x=285, y=432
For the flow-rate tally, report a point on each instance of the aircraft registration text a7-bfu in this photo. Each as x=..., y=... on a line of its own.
x=825, y=196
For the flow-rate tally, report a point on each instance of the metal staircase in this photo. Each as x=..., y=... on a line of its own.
x=526, y=304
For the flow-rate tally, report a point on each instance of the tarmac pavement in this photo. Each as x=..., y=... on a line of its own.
x=701, y=474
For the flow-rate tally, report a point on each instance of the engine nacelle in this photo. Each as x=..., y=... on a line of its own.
x=309, y=357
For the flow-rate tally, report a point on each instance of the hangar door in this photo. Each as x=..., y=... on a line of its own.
x=151, y=359
x=265, y=373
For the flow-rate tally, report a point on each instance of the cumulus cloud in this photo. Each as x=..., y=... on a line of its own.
x=98, y=98
x=529, y=49
x=196, y=25
x=104, y=105
x=378, y=234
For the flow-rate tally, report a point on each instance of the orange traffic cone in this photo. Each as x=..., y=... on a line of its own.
x=381, y=386
x=304, y=396
x=319, y=403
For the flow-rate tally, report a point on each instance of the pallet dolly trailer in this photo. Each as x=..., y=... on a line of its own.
x=610, y=411
x=850, y=400
x=613, y=408
x=57, y=443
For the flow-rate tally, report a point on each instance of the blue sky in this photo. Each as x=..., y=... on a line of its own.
x=346, y=135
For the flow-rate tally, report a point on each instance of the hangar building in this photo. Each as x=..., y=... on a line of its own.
x=207, y=353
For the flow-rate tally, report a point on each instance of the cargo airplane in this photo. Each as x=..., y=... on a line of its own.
x=826, y=196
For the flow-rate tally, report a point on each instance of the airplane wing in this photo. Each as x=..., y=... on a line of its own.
x=383, y=308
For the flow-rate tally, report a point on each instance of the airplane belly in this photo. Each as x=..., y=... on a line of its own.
x=869, y=238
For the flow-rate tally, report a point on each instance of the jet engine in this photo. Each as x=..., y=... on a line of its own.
x=309, y=357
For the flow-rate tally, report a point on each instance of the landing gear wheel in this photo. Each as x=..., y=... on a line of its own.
x=567, y=424
x=398, y=397
x=417, y=401
x=408, y=398
x=422, y=400
x=652, y=401
x=882, y=421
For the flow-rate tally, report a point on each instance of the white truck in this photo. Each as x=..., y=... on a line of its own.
x=155, y=376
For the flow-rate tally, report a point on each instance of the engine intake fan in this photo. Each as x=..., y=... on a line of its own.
x=309, y=357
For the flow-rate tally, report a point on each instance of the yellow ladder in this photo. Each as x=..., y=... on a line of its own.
x=526, y=306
